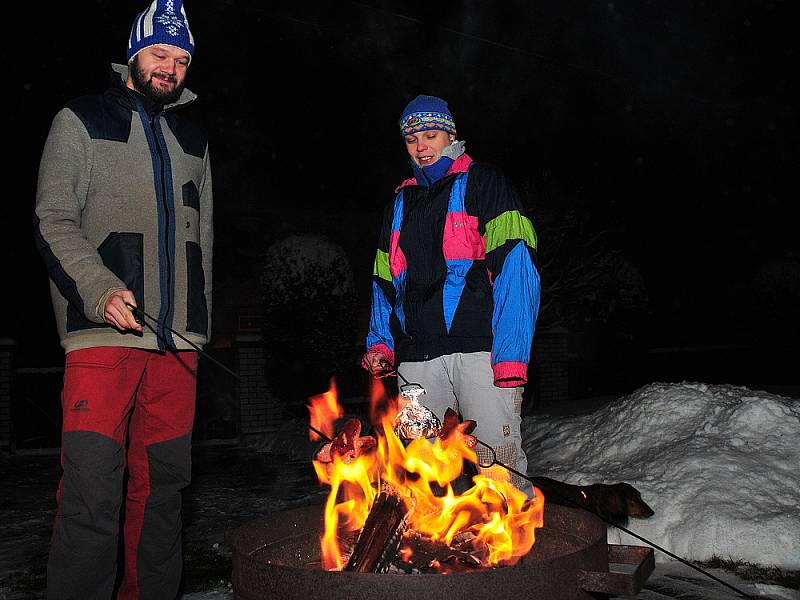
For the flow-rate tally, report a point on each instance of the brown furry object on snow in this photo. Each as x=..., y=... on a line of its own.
x=613, y=502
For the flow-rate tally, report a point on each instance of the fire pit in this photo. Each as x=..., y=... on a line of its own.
x=394, y=491
x=279, y=557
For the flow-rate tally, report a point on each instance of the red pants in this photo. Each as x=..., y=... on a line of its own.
x=122, y=406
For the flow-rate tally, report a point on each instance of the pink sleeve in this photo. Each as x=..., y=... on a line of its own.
x=510, y=374
x=382, y=349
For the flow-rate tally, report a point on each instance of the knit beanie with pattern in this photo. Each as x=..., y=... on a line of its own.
x=163, y=22
x=424, y=113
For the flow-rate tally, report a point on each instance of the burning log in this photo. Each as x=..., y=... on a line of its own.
x=380, y=537
x=381, y=534
x=420, y=554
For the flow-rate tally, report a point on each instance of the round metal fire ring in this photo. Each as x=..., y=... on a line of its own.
x=278, y=557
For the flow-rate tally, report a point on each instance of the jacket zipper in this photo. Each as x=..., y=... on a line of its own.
x=166, y=221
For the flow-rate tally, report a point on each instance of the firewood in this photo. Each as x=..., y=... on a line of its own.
x=380, y=537
x=420, y=554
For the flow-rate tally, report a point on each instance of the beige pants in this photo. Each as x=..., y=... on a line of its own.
x=465, y=383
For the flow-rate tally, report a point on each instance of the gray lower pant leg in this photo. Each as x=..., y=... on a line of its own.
x=465, y=382
x=82, y=564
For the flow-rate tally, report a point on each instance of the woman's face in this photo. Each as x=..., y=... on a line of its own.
x=425, y=147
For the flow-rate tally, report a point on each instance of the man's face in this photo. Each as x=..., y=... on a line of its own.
x=159, y=72
x=425, y=147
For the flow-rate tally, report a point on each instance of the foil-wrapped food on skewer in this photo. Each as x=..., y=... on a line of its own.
x=415, y=420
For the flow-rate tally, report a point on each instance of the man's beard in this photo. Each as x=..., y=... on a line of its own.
x=144, y=85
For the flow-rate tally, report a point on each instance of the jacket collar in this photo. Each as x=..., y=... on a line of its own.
x=460, y=165
x=119, y=75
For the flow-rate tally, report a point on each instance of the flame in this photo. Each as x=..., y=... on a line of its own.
x=348, y=503
x=324, y=409
x=501, y=517
x=379, y=401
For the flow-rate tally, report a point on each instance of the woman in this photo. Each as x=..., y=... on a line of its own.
x=456, y=290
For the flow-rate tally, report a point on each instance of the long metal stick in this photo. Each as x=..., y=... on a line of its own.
x=140, y=315
x=620, y=527
x=319, y=433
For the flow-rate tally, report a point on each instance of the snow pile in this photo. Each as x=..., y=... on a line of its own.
x=719, y=465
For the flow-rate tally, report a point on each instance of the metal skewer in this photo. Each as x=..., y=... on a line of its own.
x=140, y=317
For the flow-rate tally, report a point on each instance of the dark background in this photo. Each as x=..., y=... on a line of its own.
x=655, y=145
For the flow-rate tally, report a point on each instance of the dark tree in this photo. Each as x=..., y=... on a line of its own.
x=310, y=314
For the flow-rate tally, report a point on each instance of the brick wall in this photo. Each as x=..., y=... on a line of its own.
x=552, y=365
x=259, y=410
x=7, y=348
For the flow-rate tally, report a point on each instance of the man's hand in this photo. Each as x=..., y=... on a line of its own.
x=377, y=363
x=117, y=313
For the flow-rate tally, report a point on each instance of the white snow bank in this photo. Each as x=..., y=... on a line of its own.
x=719, y=465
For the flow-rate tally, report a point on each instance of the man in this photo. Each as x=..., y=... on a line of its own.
x=455, y=290
x=123, y=223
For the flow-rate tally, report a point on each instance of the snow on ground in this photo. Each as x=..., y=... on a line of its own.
x=718, y=465
x=676, y=580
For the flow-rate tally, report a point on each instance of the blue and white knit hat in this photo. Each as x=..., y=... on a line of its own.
x=163, y=22
x=424, y=113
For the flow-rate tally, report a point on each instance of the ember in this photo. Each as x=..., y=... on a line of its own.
x=409, y=484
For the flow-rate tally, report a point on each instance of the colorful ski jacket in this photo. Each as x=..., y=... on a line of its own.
x=124, y=202
x=454, y=272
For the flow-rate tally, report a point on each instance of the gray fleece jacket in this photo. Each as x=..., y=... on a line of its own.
x=124, y=202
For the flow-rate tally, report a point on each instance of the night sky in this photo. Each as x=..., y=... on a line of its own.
x=658, y=137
